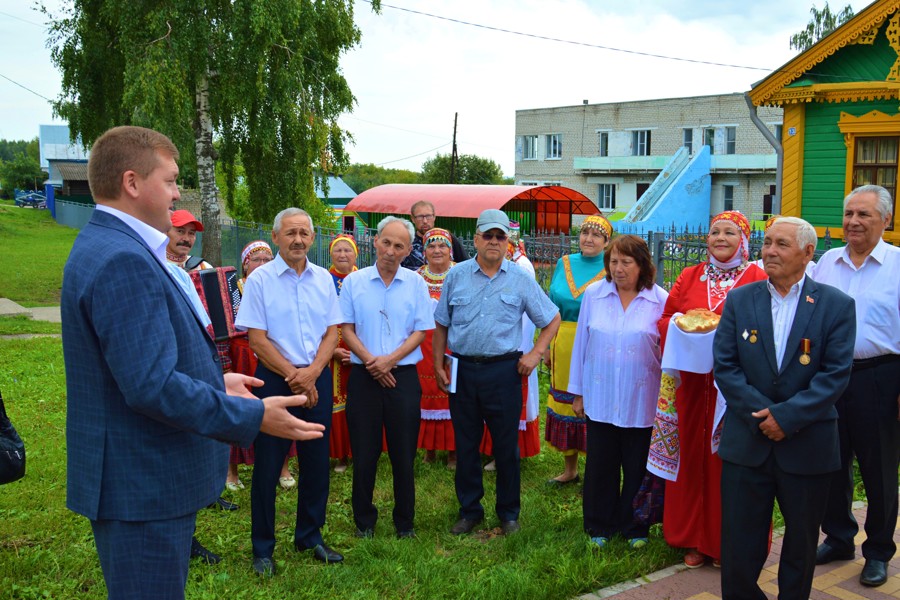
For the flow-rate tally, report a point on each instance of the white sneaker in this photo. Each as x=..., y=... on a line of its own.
x=287, y=482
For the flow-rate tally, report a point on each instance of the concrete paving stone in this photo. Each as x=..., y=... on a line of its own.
x=46, y=313
x=8, y=308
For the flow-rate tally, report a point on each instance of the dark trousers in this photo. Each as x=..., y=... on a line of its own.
x=748, y=495
x=612, y=451
x=487, y=394
x=868, y=428
x=375, y=413
x=312, y=459
x=145, y=559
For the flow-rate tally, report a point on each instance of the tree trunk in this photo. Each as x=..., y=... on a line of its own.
x=206, y=175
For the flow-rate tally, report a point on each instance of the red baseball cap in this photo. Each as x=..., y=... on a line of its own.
x=180, y=218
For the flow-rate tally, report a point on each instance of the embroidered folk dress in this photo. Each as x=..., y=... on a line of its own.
x=692, y=516
x=573, y=274
x=339, y=440
x=436, y=428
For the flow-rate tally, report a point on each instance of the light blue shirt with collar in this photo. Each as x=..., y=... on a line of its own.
x=384, y=317
x=783, y=310
x=483, y=314
x=294, y=310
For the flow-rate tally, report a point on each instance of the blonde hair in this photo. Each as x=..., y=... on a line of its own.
x=121, y=149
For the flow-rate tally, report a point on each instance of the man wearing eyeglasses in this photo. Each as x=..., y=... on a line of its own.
x=480, y=315
x=386, y=312
x=423, y=215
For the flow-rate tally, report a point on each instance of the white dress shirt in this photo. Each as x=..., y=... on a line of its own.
x=384, y=317
x=155, y=239
x=294, y=310
x=616, y=357
x=783, y=311
x=875, y=286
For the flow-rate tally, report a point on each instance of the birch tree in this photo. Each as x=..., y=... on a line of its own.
x=261, y=76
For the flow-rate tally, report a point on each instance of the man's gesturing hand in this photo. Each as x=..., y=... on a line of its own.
x=279, y=422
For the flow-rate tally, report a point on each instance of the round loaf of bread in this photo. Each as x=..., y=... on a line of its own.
x=697, y=320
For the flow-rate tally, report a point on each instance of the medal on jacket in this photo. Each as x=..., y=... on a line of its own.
x=805, y=345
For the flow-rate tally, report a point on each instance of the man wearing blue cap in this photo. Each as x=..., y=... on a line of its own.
x=480, y=315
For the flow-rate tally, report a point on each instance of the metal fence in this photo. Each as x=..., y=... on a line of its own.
x=672, y=250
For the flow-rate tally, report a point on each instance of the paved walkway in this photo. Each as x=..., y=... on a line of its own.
x=8, y=308
x=837, y=580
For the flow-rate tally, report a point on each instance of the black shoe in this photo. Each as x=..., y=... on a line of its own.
x=199, y=551
x=826, y=553
x=874, y=573
x=408, y=534
x=365, y=534
x=557, y=483
x=263, y=566
x=223, y=504
x=323, y=553
x=509, y=527
x=464, y=525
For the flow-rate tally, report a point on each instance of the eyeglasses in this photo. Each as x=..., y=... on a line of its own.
x=259, y=259
x=387, y=321
x=500, y=237
x=423, y=217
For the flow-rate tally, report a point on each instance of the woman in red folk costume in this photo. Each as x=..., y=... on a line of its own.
x=243, y=361
x=682, y=444
x=436, y=429
x=343, y=252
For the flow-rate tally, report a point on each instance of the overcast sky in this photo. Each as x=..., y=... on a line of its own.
x=412, y=72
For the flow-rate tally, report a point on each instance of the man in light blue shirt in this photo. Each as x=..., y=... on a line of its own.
x=480, y=312
x=387, y=311
x=289, y=309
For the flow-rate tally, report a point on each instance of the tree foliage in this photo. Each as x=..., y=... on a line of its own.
x=20, y=166
x=262, y=77
x=361, y=177
x=471, y=170
x=821, y=23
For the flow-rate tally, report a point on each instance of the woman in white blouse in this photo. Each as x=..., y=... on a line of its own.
x=615, y=373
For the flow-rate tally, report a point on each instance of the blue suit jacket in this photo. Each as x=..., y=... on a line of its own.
x=146, y=400
x=800, y=397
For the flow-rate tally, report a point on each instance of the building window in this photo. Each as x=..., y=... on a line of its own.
x=709, y=139
x=554, y=145
x=688, y=139
x=529, y=150
x=728, y=197
x=730, y=140
x=779, y=128
x=875, y=162
x=604, y=143
x=640, y=143
x=607, y=196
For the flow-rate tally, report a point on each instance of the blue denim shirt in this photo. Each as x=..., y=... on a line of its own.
x=484, y=314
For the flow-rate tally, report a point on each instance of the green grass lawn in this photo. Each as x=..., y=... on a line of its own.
x=47, y=551
x=34, y=250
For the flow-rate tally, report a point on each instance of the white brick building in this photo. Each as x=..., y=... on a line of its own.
x=612, y=152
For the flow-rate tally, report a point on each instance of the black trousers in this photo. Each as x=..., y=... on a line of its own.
x=487, y=394
x=612, y=451
x=312, y=459
x=748, y=495
x=371, y=410
x=869, y=429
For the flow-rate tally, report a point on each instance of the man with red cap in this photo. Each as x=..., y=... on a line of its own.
x=182, y=236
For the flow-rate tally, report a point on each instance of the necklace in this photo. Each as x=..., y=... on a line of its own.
x=434, y=280
x=719, y=282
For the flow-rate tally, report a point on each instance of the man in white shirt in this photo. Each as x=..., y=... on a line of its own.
x=868, y=269
x=289, y=309
x=386, y=311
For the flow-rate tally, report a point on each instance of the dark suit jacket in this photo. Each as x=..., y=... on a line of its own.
x=800, y=397
x=146, y=400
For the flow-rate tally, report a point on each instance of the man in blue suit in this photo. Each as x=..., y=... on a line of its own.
x=783, y=352
x=148, y=409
